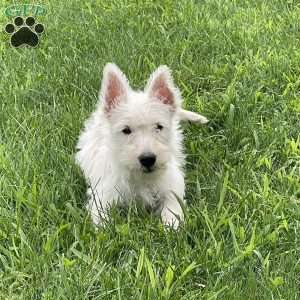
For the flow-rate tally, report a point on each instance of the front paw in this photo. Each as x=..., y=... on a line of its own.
x=97, y=220
x=171, y=219
x=99, y=217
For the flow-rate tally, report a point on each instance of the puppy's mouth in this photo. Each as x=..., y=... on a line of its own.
x=148, y=170
x=153, y=169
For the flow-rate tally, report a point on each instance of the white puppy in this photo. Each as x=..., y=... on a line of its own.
x=131, y=147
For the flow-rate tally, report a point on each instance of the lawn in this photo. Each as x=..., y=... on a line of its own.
x=236, y=62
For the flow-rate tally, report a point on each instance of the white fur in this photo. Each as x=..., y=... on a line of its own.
x=186, y=115
x=109, y=158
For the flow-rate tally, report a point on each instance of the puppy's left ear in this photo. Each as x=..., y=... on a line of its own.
x=161, y=87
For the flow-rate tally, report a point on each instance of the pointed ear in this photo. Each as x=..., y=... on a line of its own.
x=114, y=88
x=161, y=87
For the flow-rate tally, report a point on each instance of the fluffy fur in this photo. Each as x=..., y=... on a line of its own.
x=126, y=127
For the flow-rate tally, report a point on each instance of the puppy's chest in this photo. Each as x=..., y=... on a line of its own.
x=150, y=195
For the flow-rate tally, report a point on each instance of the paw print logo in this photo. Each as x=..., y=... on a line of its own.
x=24, y=33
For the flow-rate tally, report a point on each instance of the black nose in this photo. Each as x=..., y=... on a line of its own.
x=147, y=159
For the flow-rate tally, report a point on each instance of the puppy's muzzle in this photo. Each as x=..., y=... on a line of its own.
x=147, y=160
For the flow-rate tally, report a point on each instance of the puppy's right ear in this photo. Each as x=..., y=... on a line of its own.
x=114, y=88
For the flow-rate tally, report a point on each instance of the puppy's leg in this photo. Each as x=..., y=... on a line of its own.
x=171, y=213
x=98, y=206
x=186, y=115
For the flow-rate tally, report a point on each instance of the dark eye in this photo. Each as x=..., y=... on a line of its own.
x=126, y=130
x=159, y=127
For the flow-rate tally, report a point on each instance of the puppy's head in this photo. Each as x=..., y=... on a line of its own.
x=142, y=124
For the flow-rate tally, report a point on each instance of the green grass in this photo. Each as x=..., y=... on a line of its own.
x=236, y=62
